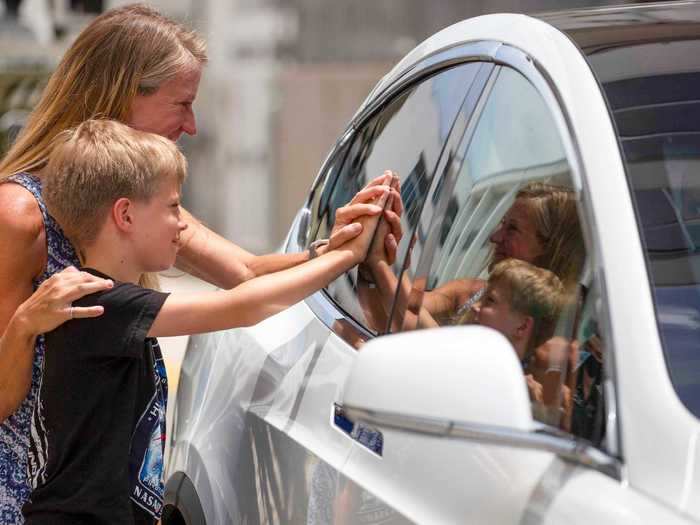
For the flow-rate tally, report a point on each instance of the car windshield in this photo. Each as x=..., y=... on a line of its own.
x=653, y=91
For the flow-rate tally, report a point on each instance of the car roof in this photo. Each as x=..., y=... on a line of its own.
x=599, y=30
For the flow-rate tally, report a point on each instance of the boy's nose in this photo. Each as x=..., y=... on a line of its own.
x=182, y=226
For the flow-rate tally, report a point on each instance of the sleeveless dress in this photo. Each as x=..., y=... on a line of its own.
x=14, y=432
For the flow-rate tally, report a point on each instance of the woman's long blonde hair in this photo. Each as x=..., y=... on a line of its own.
x=558, y=228
x=124, y=52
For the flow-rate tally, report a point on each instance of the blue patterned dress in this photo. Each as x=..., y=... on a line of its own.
x=14, y=432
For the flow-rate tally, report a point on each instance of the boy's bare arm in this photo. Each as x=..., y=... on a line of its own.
x=264, y=296
x=218, y=261
x=251, y=301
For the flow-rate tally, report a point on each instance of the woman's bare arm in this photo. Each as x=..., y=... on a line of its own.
x=264, y=296
x=211, y=257
x=23, y=314
x=20, y=260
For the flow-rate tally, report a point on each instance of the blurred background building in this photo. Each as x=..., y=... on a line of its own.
x=283, y=80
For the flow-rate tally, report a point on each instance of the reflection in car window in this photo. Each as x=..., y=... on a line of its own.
x=515, y=142
x=657, y=115
x=406, y=136
x=510, y=256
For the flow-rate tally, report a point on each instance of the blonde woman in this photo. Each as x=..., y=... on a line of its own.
x=133, y=65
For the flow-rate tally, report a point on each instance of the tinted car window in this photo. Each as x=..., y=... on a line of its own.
x=657, y=116
x=406, y=136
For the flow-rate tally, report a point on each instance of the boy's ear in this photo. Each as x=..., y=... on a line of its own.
x=122, y=214
x=524, y=329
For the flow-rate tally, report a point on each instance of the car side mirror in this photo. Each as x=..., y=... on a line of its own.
x=462, y=373
x=463, y=382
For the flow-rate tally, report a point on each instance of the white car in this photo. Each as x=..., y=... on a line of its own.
x=297, y=420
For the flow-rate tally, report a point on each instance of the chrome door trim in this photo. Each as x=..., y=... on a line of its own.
x=543, y=439
x=329, y=314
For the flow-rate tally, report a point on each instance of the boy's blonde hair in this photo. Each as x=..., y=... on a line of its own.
x=127, y=51
x=534, y=292
x=99, y=162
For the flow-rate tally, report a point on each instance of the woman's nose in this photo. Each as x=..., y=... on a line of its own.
x=182, y=225
x=189, y=126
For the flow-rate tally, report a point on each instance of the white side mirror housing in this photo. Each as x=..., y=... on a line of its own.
x=461, y=373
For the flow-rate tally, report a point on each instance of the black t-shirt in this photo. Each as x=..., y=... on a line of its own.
x=98, y=388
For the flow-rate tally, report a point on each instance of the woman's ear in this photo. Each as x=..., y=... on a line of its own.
x=122, y=214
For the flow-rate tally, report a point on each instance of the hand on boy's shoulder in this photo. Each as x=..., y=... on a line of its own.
x=122, y=299
x=129, y=312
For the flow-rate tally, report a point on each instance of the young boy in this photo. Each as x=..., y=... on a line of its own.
x=97, y=439
x=522, y=302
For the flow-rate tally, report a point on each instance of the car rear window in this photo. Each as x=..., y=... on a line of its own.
x=657, y=116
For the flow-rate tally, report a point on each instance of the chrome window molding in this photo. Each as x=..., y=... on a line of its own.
x=545, y=439
x=329, y=314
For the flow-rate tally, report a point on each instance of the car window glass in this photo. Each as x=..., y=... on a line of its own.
x=407, y=137
x=508, y=251
x=656, y=117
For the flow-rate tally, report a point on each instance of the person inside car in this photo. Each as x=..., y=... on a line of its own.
x=541, y=228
